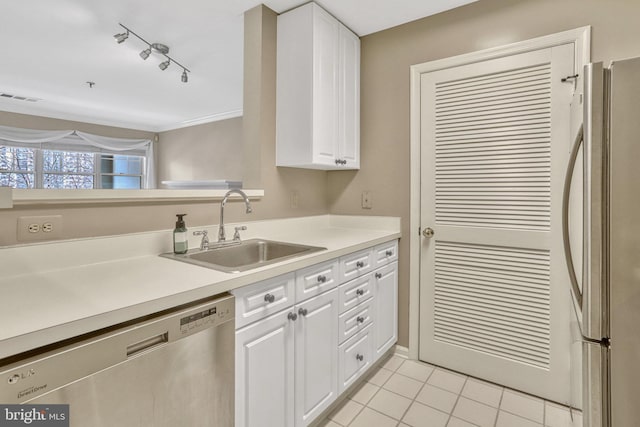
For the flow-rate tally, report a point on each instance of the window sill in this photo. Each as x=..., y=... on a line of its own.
x=17, y=197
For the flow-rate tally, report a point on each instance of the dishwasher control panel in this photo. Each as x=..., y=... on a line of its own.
x=213, y=315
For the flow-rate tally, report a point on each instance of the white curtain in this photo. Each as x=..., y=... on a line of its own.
x=68, y=139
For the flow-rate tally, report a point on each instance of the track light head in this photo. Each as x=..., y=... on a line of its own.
x=163, y=65
x=185, y=77
x=145, y=53
x=121, y=37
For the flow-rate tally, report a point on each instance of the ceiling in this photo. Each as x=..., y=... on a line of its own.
x=51, y=49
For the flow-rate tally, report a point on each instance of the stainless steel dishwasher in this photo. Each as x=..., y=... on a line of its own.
x=175, y=368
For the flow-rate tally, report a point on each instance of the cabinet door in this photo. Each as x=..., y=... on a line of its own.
x=316, y=366
x=386, y=308
x=349, y=99
x=356, y=356
x=264, y=373
x=325, y=87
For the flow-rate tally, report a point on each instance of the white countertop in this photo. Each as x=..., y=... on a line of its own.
x=55, y=291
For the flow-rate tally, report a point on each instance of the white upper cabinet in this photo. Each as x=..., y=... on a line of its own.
x=318, y=91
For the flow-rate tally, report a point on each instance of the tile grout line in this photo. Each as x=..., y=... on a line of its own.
x=457, y=399
x=495, y=423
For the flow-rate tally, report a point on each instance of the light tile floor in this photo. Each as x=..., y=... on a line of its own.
x=406, y=393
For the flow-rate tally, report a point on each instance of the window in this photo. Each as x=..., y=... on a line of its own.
x=40, y=168
x=17, y=167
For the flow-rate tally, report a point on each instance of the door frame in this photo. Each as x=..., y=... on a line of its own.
x=581, y=37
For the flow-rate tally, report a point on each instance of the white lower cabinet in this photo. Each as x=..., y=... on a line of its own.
x=265, y=372
x=316, y=359
x=356, y=356
x=385, y=311
x=292, y=365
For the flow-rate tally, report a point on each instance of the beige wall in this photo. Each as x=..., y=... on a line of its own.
x=387, y=56
x=202, y=152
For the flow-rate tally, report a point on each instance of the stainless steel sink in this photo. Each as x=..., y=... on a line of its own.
x=234, y=257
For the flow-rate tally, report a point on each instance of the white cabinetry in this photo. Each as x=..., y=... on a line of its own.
x=265, y=372
x=385, y=310
x=316, y=359
x=318, y=91
x=340, y=318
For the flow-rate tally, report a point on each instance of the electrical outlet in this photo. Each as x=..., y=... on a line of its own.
x=36, y=228
x=294, y=199
x=367, y=203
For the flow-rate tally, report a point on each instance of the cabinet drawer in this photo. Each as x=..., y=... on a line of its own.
x=316, y=279
x=354, y=320
x=356, y=264
x=385, y=253
x=261, y=299
x=355, y=357
x=354, y=292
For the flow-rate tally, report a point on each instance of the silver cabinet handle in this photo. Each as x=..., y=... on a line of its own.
x=389, y=253
x=360, y=264
x=360, y=319
x=269, y=298
x=302, y=312
x=565, y=216
x=292, y=316
x=360, y=292
x=359, y=357
x=337, y=161
x=428, y=232
x=378, y=275
x=322, y=278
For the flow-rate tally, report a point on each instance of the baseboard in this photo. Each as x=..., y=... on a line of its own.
x=401, y=351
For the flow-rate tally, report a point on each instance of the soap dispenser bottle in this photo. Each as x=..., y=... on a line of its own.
x=180, y=243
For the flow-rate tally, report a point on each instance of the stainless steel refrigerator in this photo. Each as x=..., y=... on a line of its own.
x=606, y=285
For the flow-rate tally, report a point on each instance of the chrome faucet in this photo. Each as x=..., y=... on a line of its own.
x=221, y=234
x=204, y=243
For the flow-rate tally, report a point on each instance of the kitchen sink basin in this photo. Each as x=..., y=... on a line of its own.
x=234, y=257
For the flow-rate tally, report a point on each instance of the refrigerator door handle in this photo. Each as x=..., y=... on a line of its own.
x=573, y=157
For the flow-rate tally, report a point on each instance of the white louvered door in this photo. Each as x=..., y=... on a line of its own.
x=493, y=291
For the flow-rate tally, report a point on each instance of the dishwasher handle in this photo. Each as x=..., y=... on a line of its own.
x=147, y=344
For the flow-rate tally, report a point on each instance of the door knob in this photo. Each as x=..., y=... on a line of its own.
x=428, y=232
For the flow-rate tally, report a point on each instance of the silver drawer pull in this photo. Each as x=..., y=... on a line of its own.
x=360, y=319
x=269, y=298
x=378, y=275
x=389, y=252
x=360, y=264
x=322, y=278
x=292, y=316
x=360, y=292
x=302, y=312
x=359, y=357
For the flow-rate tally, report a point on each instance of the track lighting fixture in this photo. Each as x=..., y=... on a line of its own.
x=145, y=53
x=158, y=48
x=121, y=37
